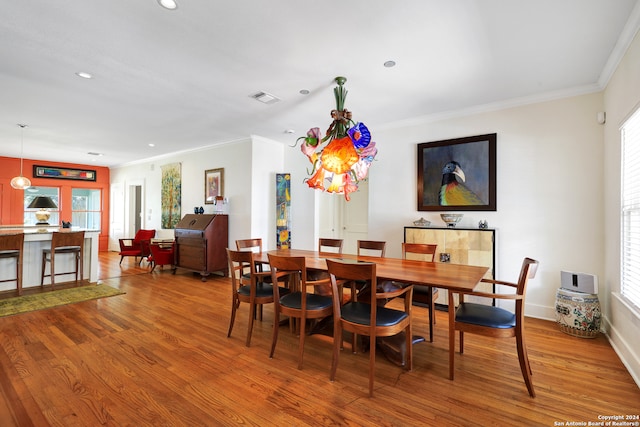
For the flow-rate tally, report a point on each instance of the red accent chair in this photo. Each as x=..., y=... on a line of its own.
x=138, y=246
x=161, y=254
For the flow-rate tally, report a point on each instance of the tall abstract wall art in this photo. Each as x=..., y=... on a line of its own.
x=171, y=195
x=283, y=209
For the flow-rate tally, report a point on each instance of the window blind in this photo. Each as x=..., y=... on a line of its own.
x=630, y=251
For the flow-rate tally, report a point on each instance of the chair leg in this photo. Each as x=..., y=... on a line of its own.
x=303, y=333
x=276, y=324
x=53, y=270
x=372, y=362
x=409, y=344
x=77, y=257
x=19, y=274
x=524, y=364
x=431, y=305
x=337, y=344
x=234, y=306
x=452, y=336
x=252, y=310
x=44, y=266
x=121, y=258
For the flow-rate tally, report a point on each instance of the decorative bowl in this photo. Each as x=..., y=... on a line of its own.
x=451, y=219
x=421, y=223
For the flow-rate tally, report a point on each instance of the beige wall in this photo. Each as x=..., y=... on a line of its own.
x=622, y=97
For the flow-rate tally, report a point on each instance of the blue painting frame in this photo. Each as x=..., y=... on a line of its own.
x=475, y=155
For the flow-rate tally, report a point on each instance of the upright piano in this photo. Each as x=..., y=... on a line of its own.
x=201, y=242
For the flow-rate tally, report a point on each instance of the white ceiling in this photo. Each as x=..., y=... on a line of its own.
x=182, y=79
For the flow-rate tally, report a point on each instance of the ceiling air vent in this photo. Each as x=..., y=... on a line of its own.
x=265, y=98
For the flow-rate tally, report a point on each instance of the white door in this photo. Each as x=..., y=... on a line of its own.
x=355, y=217
x=116, y=230
x=329, y=219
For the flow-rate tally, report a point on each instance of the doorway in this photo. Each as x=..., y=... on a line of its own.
x=340, y=219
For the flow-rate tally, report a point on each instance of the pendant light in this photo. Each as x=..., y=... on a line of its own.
x=21, y=182
x=344, y=160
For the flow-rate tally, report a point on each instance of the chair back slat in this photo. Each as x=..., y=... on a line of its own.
x=371, y=245
x=335, y=244
x=427, y=250
x=253, y=245
x=11, y=242
x=241, y=263
x=61, y=239
x=528, y=271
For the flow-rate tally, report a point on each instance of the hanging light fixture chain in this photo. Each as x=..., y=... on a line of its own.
x=21, y=182
x=22, y=126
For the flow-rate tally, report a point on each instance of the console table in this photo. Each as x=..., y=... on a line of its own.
x=468, y=246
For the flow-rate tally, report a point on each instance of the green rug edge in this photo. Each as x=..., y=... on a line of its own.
x=27, y=303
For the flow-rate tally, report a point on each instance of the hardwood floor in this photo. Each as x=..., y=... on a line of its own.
x=159, y=355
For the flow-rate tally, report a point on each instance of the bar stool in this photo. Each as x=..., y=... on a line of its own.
x=11, y=247
x=62, y=242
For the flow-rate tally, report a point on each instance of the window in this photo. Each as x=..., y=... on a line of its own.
x=630, y=251
x=85, y=208
x=33, y=192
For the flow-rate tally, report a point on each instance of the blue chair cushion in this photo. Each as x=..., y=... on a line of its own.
x=485, y=315
x=360, y=313
x=314, y=301
x=262, y=290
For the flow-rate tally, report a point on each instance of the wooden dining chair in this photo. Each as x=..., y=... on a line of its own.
x=253, y=245
x=335, y=245
x=248, y=286
x=371, y=248
x=366, y=317
x=63, y=243
x=11, y=247
x=423, y=296
x=494, y=321
x=299, y=303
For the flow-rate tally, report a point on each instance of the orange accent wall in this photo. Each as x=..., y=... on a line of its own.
x=11, y=200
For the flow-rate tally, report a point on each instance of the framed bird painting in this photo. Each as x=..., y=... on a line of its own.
x=457, y=174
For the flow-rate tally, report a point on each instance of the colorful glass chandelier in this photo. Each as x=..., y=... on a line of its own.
x=342, y=158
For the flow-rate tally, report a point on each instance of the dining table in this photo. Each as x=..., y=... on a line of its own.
x=453, y=277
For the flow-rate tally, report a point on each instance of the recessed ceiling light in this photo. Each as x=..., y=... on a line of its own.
x=168, y=4
x=84, y=75
x=152, y=145
x=390, y=64
x=93, y=153
x=289, y=131
x=304, y=92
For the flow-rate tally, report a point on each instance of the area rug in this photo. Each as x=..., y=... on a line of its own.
x=26, y=303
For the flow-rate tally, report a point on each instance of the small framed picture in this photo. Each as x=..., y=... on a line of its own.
x=213, y=185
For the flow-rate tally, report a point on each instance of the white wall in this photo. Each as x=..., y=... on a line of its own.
x=549, y=189
x=622, y=97
x=266, y=160
x=233, y=157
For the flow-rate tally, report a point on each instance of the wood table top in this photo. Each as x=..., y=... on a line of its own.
x=456, y=277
